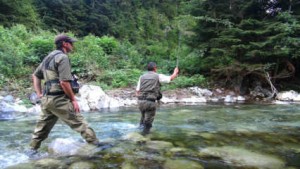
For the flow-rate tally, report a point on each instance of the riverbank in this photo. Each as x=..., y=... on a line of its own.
x=93, y=98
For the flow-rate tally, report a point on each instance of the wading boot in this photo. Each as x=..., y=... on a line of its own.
x=146, y=129
x=141, y=126
x=101, y=146
x=31, y=152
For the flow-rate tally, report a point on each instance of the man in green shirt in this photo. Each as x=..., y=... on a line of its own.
x=58, y=99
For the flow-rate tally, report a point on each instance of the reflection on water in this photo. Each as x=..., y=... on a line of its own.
x=267, y=129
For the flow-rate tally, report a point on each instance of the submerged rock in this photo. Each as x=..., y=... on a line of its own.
x=22, y=166
x=48, y=163
x=128, y=165
x=180, y=151
x=207, y=136
x=176, y=164
x=240, y=157
x=135, y=137
x=82, y=165
x=159, y=145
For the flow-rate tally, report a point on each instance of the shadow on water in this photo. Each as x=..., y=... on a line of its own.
x=206, y=136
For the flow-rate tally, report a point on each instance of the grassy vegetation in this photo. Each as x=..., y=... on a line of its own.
x=103, y=61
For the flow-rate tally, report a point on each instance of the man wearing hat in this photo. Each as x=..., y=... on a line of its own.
x=57, y=98
x=148, y=92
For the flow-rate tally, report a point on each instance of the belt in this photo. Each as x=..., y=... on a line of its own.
x=55, y=93
x=151, y=100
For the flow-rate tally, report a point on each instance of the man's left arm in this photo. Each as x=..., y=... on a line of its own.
x=65, y=76
x=66, y=86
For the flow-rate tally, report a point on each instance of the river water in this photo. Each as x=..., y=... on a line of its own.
x=264, y=129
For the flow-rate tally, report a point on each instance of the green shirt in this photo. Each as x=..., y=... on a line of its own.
x=58, y=67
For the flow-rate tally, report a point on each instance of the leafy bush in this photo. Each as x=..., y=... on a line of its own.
x=88, y=55
x=108, y=44
x=119, y=78
x=14, y=50
x=40, y=45
x=184, y=81
x=127, y=56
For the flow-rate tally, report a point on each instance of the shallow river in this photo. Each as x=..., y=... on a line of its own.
x=263, y=129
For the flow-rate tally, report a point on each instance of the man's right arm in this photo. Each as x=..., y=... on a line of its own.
x=137, y=90
x=175, y=73
x=167, y=79
x=37, y=77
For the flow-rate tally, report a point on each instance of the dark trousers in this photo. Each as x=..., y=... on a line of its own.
x=148, y=109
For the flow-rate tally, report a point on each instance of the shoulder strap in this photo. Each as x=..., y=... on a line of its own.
x=49, y=59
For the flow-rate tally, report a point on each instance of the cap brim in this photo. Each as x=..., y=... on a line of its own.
x=73, y=40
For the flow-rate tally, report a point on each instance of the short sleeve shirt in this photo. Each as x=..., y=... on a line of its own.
x=60, y=67
x=162, y=79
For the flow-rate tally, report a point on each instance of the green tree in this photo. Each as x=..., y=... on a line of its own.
x=62, y=15
x=18, y=12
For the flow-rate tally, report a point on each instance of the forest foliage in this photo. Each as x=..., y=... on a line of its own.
x=228, y=41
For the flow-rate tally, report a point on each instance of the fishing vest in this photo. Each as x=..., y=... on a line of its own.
x=149, y=86
x=50, y=73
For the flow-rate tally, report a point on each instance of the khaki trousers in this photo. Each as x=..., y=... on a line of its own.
x=60, y=107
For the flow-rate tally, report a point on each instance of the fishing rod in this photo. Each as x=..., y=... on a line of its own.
x=179, y=38
x=178, y=48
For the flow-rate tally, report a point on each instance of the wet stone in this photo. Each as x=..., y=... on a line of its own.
x=240, y=157
x=128, y=165
x=135, y=137
x=63, y=147
x=49, y=164
x=176, y=164
x=22, y=166
x=82, y=165
x=159, y=145
x=207, y=136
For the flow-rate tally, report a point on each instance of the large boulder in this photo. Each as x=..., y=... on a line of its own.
x=66, y=147
x=93, y=94
x=287, y=96
x=96, y=99
x=201, y=92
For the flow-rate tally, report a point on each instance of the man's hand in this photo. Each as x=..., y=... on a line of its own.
x=76, y=106
x=175, y=73
x=40, y=95
x=176, y=70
